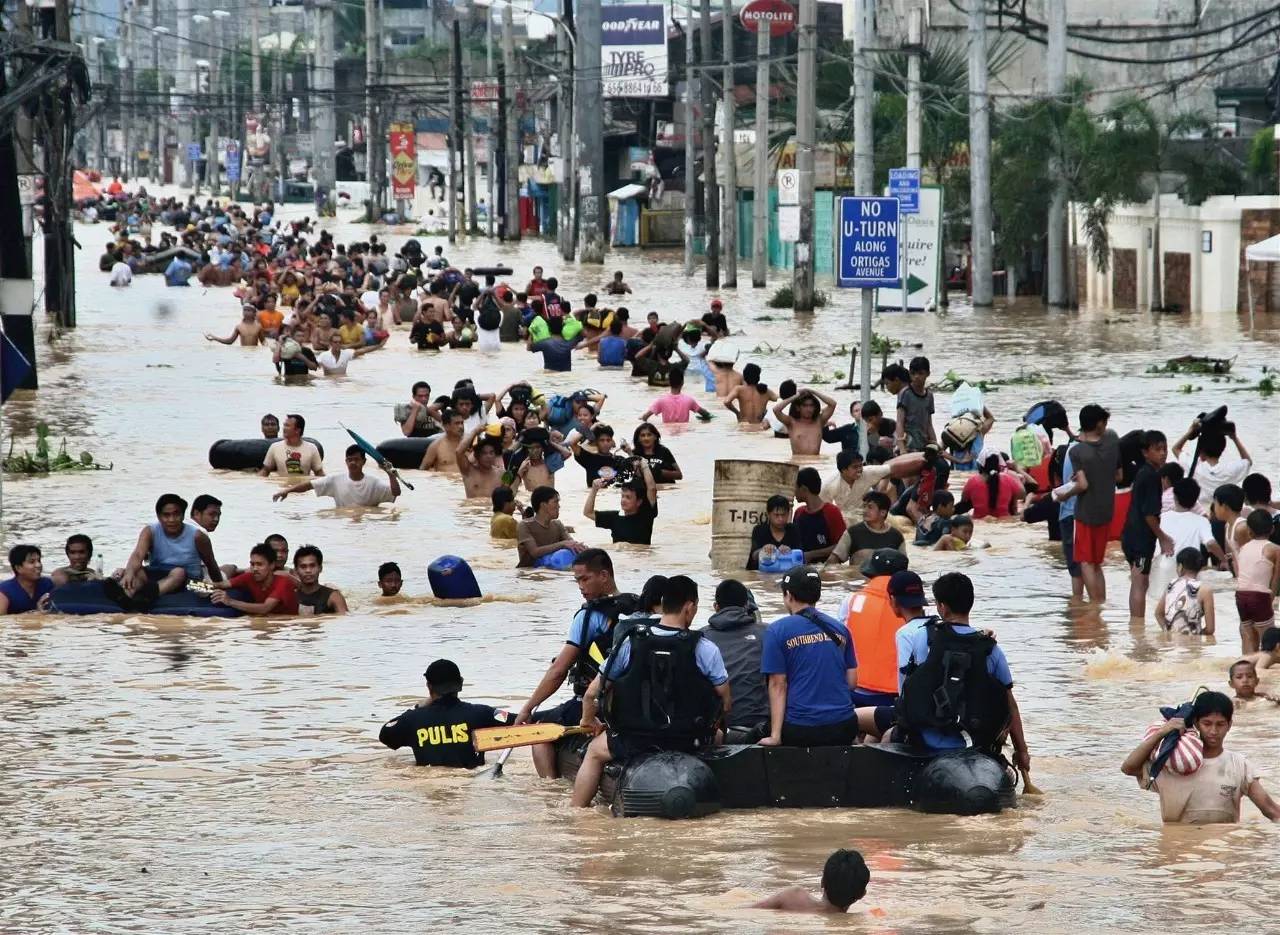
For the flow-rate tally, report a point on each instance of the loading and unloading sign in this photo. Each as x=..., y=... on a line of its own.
x=867, y=246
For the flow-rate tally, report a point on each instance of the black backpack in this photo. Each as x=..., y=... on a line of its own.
x=662, y=694
x=490, y=316
x=952, y=690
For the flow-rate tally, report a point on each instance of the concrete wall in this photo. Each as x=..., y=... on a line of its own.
x=1202, y=282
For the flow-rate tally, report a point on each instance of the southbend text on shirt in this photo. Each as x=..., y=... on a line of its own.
x=806, y=639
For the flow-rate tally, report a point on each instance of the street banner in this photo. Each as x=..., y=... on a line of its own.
x=634, y=50
x=404, y=161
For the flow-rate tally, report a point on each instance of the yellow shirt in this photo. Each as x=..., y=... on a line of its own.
x=351, y=334
x=502, y=526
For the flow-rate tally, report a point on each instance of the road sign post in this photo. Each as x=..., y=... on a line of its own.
x=868, y=243
x=904, y=184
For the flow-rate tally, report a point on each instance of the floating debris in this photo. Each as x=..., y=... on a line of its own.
x=41, y=463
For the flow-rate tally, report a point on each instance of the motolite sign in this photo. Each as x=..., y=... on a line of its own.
x=778, y=15
x=634, y=50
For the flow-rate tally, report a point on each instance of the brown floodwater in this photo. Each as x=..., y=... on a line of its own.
x=170, y=775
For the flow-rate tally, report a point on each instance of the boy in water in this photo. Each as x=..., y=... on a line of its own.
x=936, y=521
x=804, y=414
x=1187, y=604
x=390, y=581
x=844, y=881
x=503, y=523
x=1243, y=678
x=915, y=411
x=958, y=537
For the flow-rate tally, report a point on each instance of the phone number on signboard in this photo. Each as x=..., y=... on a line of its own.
x=635, y=88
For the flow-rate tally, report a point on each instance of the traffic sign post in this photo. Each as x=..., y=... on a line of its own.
x=904, y=184
x=868, y=243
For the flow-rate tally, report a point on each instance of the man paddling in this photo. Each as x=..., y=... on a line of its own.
x=439, y=729
x=590, y=638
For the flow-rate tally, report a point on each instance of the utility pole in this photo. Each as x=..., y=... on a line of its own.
x=729, y=226
x=915, y=109
x=711, y=189
x=760, y=204
x=806, y=120
x=59, y=247
x=185, y=85
x=979, y=156
x=158, y=102
x=490, y=110
x=455, y=110
x=565, y=92
x=690, y=153
x=469, y=148
x=213, y=167
x=373, y=160
x=1056, y=261
x=255, y=103
x=128, y=94
x=324, y=116
x=511, y=164
x=864, y=167
x=590, y=136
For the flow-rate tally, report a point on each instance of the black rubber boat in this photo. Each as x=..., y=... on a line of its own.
x=679, y=785
x=87, y=597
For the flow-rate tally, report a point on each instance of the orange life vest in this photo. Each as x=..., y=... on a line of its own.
x=873, y=625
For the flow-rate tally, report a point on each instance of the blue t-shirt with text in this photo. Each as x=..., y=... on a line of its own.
x=816, y=668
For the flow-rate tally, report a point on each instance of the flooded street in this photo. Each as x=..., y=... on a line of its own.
x=169, y=775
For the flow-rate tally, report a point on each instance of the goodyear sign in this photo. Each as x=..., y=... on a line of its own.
x=634, y=50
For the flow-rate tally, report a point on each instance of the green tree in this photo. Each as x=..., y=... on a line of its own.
x=1103, y=156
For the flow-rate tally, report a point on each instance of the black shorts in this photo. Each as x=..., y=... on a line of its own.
x=624, y=748
x=823, y=735
x=1139, y=559
x=886, y=716
x=568, y=714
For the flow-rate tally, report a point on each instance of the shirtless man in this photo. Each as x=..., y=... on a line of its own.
x=247, y=329
x=804, y=418
x=750, y=399
x=442, y=453
x=481, y=472
x=844, y=881
x=533, y=470
x=727, y=379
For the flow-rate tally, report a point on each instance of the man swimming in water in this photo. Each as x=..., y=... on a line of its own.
x=844, y=881
x=804, y=415
x=390, y=580
x=355, y=488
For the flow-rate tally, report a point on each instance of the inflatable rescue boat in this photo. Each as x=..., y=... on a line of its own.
x=680, y=785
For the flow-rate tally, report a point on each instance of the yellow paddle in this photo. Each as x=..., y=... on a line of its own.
x=1028, y=787
x=501, y=738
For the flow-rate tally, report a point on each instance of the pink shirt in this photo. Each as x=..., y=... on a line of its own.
x=674, y=407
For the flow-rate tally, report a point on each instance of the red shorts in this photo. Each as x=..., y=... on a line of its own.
x=1090, y=543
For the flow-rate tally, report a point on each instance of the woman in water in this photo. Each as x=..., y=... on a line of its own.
x=647, y=444
x=993, y=491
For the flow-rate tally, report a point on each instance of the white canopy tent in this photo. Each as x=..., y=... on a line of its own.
x=1264, y=251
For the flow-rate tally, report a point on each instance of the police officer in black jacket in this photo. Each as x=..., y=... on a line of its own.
x=439, y=730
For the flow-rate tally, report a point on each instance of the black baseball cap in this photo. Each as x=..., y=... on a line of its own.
x=884, y=562
x=803, y=583
x=443, y=677
x=906, y=588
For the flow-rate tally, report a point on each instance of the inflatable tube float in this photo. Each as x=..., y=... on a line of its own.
x=87, y=597
x=156, y=262
x=405, y=453
x=491, y=271
x=680, y=785
x=452, y=578
x=245, y=454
